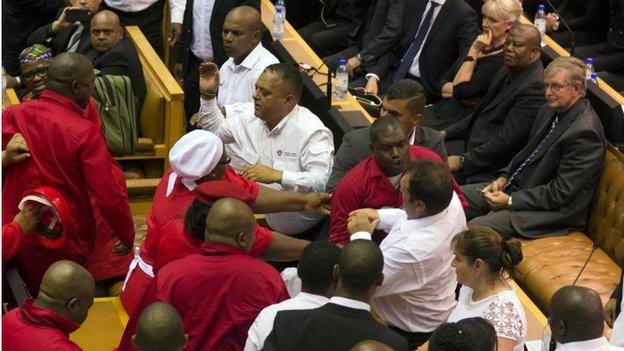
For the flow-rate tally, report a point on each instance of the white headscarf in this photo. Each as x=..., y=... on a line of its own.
x=194, y=156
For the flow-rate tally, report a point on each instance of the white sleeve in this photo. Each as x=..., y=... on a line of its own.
x=176, y=10
x=388, y=217
x=212, y=120
x=316, y=164
x=401, y=272
x=259, y=330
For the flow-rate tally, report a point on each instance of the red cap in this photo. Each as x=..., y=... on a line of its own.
x=54, y=220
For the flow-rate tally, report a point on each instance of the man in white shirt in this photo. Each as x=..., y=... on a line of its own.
x=273, y=140
x=576, y=320
x=316, y=266
x=418, y=291
x=247, y=57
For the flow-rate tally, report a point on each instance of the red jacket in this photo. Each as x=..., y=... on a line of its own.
x=34, y=328
x=11, y=238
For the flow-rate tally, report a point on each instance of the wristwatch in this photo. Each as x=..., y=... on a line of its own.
x=509, y=202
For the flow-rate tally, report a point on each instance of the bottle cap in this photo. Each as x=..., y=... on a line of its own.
x=279, y=9
x=589, y=61
x=342, y=62
x=541, y=7
x=594, y=76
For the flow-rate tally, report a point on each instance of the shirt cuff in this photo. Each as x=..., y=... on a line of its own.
x=289, y=180
x=360, y=235
x=177, y=15
x=369, y=75
x=207, y=110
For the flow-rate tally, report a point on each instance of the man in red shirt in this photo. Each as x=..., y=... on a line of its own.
x=220, y=290
x=68, y=153
x=374, y=182
x=64, y=299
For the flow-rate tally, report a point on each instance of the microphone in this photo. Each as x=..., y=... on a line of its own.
x=572, y=36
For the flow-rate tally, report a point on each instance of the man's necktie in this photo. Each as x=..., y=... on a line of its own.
x=72, y=46
x=531, y=155
x=408, y=58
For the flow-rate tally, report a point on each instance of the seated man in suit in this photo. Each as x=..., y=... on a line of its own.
x=499, y=126
x=613, y=314
x=547, y=187
x=66, y=36
x=418, y=291
x=114, y=54
x=220, y=290
x=346, y=319
x=435, y=32
x=374, y=182
x=160, y=328
x=272, y=140
x=405, y=100
x=576, y=320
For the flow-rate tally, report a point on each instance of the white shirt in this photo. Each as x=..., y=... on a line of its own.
x=418, y=290
x=504, y=310
x=347, y=302
x=599, y=344
x=292, y=281
x=263, y=325
x=415, y=68
x=238, y=82
x=201, y=46
x=300, y=146
x=176, y=7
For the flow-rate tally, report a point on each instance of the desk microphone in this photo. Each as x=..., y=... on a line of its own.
x=572, y=36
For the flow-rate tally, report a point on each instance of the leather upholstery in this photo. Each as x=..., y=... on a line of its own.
x=552, y=262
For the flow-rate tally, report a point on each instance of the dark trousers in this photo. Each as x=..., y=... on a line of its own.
x=191, y=88
x=325, y=40
x=414, y=340
x=480, y=212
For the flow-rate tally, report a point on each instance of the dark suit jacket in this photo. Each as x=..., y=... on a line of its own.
x=58, y=43
x=617, y=295
x=499, y=127
x=219, y=11
x=553, y=192
x=452, y=33
x=329, y=328
x=356, y=146
x=380, y=30
x=122, y=59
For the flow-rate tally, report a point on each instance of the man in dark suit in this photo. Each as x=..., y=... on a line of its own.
x=435, y=32
x=66, y=36
x=195, y=48
x=547, y=188
x=612, y=314
x=378, y=33
x=487, y=140
x=346, y=319
x=405, y=100
x=113, y=54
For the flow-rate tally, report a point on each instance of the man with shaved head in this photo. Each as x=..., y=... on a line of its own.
x=68, y=153
x=64, y=299
x=247, y=57
x=346, y=319
x=160, y=328
x=220, y=290
x=576, y=320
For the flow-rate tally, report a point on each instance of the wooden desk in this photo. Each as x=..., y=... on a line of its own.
x=104, y=326
x=11, y=98
x=302, y=52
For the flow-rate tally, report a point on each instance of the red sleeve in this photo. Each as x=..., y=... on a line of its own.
x=252, y=188
x=345, y=198
x=417, y=152
x=264, y=238
x=106, y=185
x=11, y=238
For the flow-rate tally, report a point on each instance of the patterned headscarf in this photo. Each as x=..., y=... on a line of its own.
x=35, y=53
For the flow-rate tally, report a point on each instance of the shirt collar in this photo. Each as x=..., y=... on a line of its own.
x=45, y=317
x=214, y=249
x=346, y=302
x=253, y=57
x=593, y=344
x=67, y=102
x=311, y=297
x=439, y=2
x=278, y=128
x=429, y=220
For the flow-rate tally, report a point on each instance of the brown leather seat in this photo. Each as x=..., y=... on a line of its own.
x=553, y=262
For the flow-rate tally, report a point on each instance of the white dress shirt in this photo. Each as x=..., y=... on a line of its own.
x=238, y=82
x=201, y=46
x=599, y=344
x=300, y=146
x=415, y=68
x=263, y=325
x=176, y=7
x=292, y=281
x=347, y=302
x=418, y=290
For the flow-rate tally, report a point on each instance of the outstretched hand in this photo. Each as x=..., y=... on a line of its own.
x=16, y=150
x=208, y=78
x=318, y=202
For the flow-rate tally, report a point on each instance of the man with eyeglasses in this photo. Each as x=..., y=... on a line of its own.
x=68, y=153
x=547, y=187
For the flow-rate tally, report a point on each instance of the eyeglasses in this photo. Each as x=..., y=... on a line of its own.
x=226, y=161
x=41, y=72
x=555, y=87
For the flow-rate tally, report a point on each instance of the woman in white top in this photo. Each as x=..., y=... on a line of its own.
x=482, y=259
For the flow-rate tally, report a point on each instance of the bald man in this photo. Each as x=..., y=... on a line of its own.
x=220, y=290
x=247, y=57
x=160, y=328
x=487, y=140
x=114, y=54
x=371, y=345
x=64, y=299
x=576, y=320
x=68, y=153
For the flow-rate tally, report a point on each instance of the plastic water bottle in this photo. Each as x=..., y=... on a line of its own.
x=278, y=23
x=281, y=4
x=594, y=77
x=540, y=20
x=589, y=67
x=342, y=79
